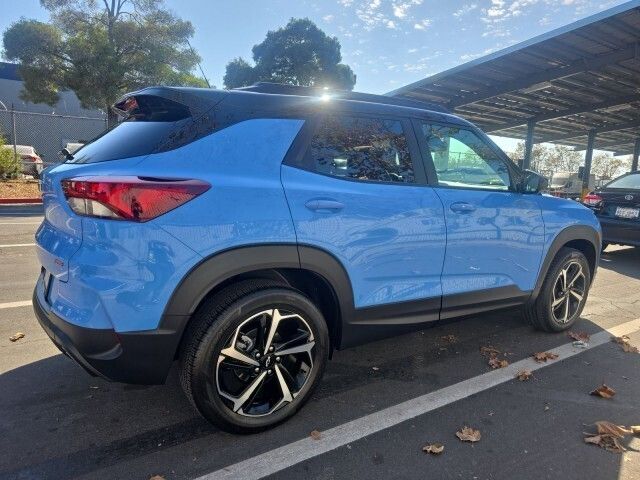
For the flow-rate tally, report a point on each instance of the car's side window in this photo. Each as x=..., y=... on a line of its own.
x=361, y=148
x=463, y=159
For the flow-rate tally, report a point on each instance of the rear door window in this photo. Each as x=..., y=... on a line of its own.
x=361, y=148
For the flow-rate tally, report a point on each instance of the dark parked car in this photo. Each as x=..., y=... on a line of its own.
x=617, y=206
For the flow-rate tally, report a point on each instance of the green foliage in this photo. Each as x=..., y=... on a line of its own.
x=9, y=164
x=298, y=54
x=101, y=50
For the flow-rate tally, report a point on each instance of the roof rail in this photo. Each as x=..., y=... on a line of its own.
x=283, y=89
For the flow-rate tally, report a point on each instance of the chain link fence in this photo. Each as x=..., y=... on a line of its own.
x=48, y=134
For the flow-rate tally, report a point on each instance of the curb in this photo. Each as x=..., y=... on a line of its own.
x=10, y=201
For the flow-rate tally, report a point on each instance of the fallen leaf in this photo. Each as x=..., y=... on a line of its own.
x=541, y=357
x=433, y=448
x=524, y=375
x=609, y=428
x=315, y=434
x=489, y=351
x=621, y=340
x=579, y=336
x=468, y=434
x=449, y=338
x=157, y=477
x=627, y=347
x=603, y=391
x=607, y=441
x=495, y=362
x=16, y=337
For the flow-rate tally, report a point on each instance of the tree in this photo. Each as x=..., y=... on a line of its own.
x=550, y=159
x=101, y=49
x=297, y=54
x=607, y=166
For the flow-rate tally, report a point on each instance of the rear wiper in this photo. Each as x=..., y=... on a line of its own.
x=65, y=154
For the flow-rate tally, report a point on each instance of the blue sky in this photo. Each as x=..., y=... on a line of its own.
x=388, y=43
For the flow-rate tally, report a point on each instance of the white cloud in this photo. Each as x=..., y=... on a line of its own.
x=400, y=9
x=328, y=18
x=391, y=24
x=423, y=24
x=465, y=9
x=412, y=50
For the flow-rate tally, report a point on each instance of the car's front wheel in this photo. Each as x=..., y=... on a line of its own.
x=563, y=294
x=253, y=356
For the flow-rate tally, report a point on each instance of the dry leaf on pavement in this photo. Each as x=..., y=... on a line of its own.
x=608, y=436
x=157, y=477
x=315, y=434
x=609, y=428
x=468, y=434
x=624, y=342
x=603, y=391
x=606, y=441
x=524, y=375
x=449, y=338
x=495, y=362
x=579, y=336
x=489, y=351
x=433, y=448
x=16, y=337
x=541, y=357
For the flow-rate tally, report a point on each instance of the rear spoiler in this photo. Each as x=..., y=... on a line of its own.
x=178, y=101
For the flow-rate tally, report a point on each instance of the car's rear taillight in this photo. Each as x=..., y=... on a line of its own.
x=592, y=199
x=29, y=158
x=129, y=198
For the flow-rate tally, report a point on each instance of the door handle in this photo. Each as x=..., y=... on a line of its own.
x=462, y=207
x=324, y=204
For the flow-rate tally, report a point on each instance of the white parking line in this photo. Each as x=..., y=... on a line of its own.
x=15, y=304
x=18, y=245
x=288, y=455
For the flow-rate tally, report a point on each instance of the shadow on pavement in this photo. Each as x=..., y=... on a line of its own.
x=58, y=422
x=625, y=261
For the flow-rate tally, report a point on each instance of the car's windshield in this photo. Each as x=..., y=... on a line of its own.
x=628, y=182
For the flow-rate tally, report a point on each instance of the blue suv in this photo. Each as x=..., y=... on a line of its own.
x=248, y=233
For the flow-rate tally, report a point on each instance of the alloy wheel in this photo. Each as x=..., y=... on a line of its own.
x=568, y=292
x=265, y=363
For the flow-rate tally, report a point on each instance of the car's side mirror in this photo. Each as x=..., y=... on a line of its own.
x=533, y=182
x=65, y=154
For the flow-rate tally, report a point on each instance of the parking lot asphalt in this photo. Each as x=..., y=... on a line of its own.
x=57, y=422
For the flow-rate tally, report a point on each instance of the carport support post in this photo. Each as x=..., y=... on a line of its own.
x=636, y=154
x=588, y=156
x=528, y=146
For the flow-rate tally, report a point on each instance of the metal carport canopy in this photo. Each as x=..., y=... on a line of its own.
x=577, y=83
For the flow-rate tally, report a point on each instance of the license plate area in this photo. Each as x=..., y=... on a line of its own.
x=625, y=212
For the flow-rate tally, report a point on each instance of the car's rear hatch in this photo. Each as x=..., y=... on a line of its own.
x=60, y=235
x=620, y=205
x=163, y=119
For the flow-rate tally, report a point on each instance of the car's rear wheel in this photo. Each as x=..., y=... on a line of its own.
x=564, y=292
x=253, y=355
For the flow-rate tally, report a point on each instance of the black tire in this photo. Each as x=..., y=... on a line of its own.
x=212, y=329
x=541, y=313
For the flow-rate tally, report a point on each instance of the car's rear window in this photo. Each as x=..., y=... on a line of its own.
x=628, y=182
x=150, y=121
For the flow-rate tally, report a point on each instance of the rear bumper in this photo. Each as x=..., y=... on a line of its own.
x=620, y=231
x=139, y=357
